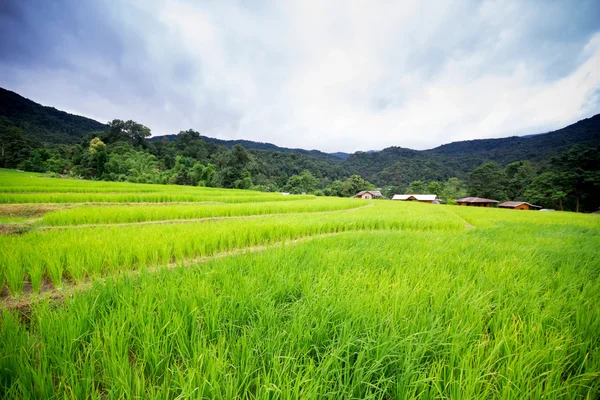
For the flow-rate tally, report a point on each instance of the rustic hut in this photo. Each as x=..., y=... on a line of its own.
x=518, y=205
x=423, y=198
x=476, y=202
x=367, y=194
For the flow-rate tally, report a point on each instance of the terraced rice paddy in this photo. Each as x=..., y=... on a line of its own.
x=139, y=291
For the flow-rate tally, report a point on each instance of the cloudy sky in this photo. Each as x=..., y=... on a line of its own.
x=331, y=75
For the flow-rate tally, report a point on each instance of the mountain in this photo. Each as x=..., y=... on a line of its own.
x=341, y=155
x=41, y=124
x=531, y=147
x=36, y=125
x=252, y=145
x=398, y=166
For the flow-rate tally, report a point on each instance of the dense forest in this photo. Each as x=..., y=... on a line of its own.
x=560, y=169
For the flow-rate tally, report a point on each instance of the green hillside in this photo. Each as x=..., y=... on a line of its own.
x=38, y=138
x=41, y=124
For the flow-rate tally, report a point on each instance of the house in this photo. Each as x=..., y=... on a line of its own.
x=367, y=194
x=423, y=198
x=518, y=205
x=476, y=202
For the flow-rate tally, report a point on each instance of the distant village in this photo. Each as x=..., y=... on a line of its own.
x=465, y=201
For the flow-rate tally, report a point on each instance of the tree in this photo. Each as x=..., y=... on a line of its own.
x=97, y=156
x=207, y=177
x=245, y=181
x=14, y=148
x=417, y=187
x=96, y=146
x=232, y=165
x=132, y=166
x=546, y=191
x=518, y=176
x=37, y=161
x=434, y=187
x=453, y=189
x=334, y=189
x=578, y=175
x=130, y=131
x=488, y=181
x=303, y=183
x=190, y=144
x=355, y=184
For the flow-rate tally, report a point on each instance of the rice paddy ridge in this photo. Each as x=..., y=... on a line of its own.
x=197, y=220
x=159, y=197
x=49, y=291
x=347, y=299
x=375, y=314
x=77, y=253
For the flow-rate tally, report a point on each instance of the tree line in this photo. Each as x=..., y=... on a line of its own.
x=122, y=152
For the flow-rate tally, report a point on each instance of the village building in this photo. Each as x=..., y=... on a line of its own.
x=518, y=205
x=367, y=194
x=476, y=202
x=423, y=198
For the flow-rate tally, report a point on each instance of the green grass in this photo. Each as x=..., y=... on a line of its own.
x=362, y=315
x=93, y=251
x=395, y=300
x=144, y=213
x=9, y=220
x=27, y=187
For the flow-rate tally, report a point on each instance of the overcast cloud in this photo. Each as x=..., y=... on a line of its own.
x=330, y=75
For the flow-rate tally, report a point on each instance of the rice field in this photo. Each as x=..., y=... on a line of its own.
x=302, y=298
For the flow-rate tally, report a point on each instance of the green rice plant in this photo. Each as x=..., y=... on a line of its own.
x=394, y=300
x=14, y=272
x=174, y=241
x=36, y=270
x=55, y=267
x=76, y=267
x=10, y=198
x=389, y=314
x=143, y=213
x=120, y=248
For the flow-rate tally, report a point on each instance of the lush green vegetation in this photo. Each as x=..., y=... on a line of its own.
x=333, y=298
x=559, y=169
x=144, y=213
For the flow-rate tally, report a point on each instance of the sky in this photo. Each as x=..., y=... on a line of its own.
x=328, y=75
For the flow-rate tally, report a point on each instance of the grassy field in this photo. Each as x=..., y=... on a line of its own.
x=308, y=297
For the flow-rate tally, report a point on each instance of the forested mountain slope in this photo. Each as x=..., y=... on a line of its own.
x=38, y=138
x=532, y=147
x=40, y=124
x=252, y=145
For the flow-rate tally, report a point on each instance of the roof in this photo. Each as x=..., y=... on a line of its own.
x=376, y=193
x=419, y=197
x=513, y=204
x=475, y=200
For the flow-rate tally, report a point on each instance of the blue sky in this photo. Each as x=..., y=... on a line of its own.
x=331, y=75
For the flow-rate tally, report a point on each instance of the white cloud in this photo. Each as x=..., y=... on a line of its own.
x=341, y=75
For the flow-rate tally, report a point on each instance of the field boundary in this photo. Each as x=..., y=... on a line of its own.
x=193, y=220
x=468, y=225
x=24, y=301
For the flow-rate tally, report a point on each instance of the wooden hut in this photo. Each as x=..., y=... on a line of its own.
x=423, y=198
x=476, y=202
x=367, y=194
x=518, y=205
